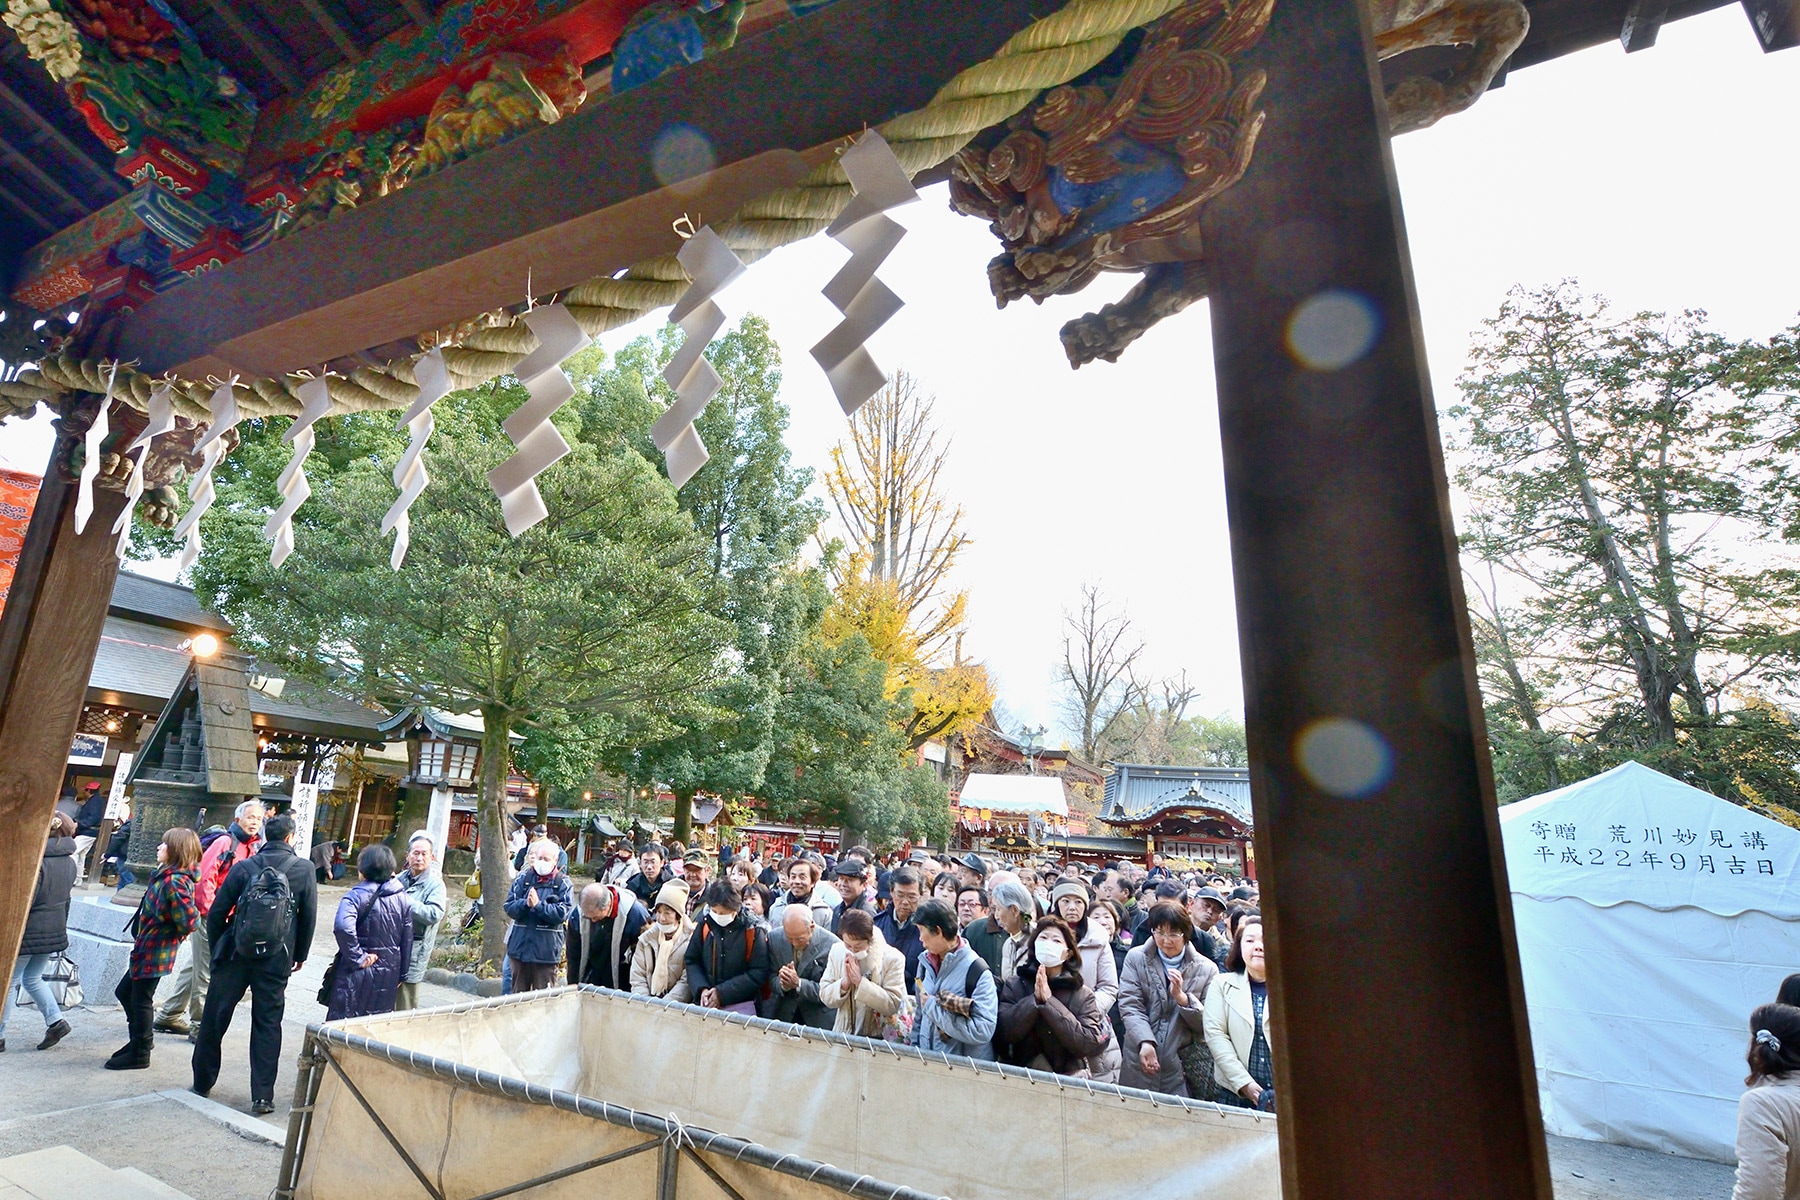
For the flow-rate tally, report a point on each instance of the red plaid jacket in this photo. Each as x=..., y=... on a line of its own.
x=165, y=916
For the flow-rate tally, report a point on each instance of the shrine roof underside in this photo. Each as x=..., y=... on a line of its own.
x=238, y=111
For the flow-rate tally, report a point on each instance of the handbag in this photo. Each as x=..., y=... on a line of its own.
x=1197, y=1068
x=472, y=887
x=330, y=980
x=64, y=978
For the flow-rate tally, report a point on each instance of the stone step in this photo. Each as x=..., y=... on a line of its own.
x=151, y=1183
x=65, y=1173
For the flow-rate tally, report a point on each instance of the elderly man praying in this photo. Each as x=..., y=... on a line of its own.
x=603, y=935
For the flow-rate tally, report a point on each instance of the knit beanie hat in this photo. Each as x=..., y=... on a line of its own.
x=1070, y=887
x=674, y=894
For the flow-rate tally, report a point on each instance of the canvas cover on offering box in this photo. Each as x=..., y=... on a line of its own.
x=885, y=1115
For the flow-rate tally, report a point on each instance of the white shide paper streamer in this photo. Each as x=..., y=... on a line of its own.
x=880, y=183
x=712, y=266
x=539, y=442
x=224, y=409
x=90, y=466
x=160, y=420
x=433, y=378
x=315, y=402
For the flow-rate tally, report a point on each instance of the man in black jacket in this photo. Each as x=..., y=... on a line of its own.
x=602, y=935
x=653, y=872
x=265, y=977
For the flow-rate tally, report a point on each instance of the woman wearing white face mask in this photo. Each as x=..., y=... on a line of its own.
x=539, y=903
x=1049, y=1019
x=727, y=957
x=659, y=964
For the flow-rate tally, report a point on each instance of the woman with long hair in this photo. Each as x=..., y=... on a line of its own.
x=165, y=917
x=1768, y=1133
x=1049, y=1020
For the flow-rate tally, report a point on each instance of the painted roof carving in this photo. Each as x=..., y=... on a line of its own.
x=240, y=121
x=1139, y=793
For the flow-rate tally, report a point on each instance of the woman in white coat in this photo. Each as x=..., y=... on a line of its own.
x=1099, y=970
x=1768, y=1135
x=659, y=964
x=1237, y=1023
x=865, y=978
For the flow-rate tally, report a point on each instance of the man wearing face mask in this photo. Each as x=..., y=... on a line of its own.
x=659, y=964
x=602, y=936
x=539, y=904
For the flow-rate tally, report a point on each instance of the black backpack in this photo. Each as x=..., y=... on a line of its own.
x=259, y=924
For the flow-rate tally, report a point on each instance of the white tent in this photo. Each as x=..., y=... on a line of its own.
x=1652, y=918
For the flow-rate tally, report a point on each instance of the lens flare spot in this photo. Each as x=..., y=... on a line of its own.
x=1344, y=757
x=1329, y=330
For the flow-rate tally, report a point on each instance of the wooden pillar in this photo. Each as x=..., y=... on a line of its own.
x=1402, y=1056
x=49, y=634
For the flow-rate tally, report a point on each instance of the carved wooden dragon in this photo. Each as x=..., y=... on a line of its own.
x=1109, y=173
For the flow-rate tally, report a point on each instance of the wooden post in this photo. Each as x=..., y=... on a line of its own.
x=1402, y=1057
x=49, y=634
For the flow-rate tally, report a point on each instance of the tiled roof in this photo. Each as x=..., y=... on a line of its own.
x=1137, y=792
x=141, y=598
x=137, y=665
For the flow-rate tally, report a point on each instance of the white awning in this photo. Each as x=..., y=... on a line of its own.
x=1015, y=793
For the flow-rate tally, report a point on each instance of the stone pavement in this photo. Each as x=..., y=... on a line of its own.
x=146, y=1120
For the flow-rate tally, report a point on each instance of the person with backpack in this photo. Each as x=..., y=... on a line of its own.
x=727, y=957
x=220, y=850
x=46, y=932
x=959, y=1006
x=260, y=927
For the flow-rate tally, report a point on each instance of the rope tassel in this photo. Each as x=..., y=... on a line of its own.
x=161, y=412
x=712, y=266
x=224, y=409
x=409, y=473
x=315, y=402
x=90, y=466
x=539, y=442
x=864, y=229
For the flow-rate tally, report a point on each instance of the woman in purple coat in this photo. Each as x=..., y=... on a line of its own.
x=374, y=928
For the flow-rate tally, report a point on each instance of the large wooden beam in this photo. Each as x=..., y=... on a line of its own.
x=1402, y=1057
x=49, y=633
x=570, y=201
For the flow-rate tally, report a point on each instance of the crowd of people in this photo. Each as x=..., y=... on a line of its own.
x=1124, y=974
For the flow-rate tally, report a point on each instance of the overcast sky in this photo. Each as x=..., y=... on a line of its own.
x=1664, y=180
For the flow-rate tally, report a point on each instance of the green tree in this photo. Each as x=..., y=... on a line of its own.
x=839, y=756
x=1631, y=481
x=749, y=503
x=594, y=624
